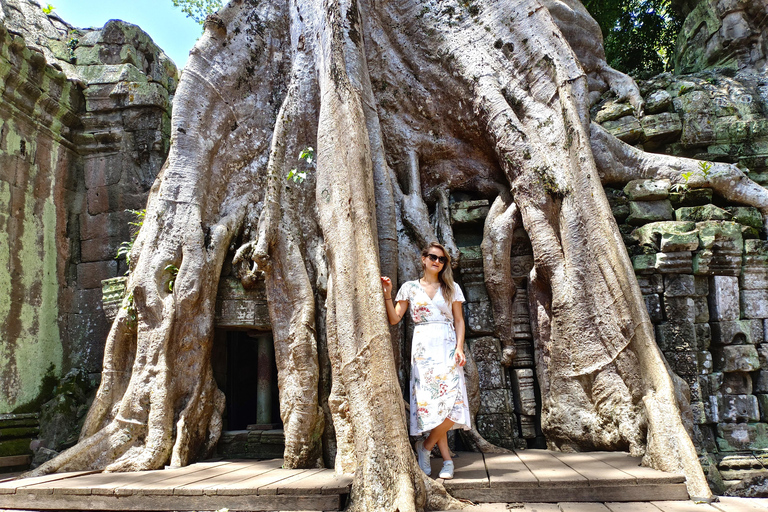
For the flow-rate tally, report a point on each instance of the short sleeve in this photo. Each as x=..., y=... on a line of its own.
x=403, y=292
x=458, y=295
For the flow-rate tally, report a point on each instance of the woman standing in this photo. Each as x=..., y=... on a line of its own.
x=438, y=392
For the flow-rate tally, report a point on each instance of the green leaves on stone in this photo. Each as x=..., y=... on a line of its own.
x=48, y=9
x=125, y=248
x=173, y=270
x=308, y=155
x=198, y=10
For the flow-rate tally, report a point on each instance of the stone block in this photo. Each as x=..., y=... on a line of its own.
x=524, y=357
x=647, y=190
x=701, y=306
x=724, y=298
x=658, y=101
x=499, y=429
x=734, y=332
x=104, y=225
x=679, y=309
x=762, y=354
x=698, y=413
x=757, y=332
x=720, y=235
x=674, y=336
x=469, y=212
x=762, y=403
x=747, y=216
x=521, y=266
x=674, y=262
x=683, y=363
x=528, y=427
x=701, y=213
x=717, y=262
x=701, y=286
x=761, y=381
x=752, y=278
x=765, y=332
x=495, y=401
x=653, y=305
x=613, y=110
x=662, y=128
x=619, y=204
x=674, y=242
x=651, y=283
x=644, y=264
x=736, y=383
x=480, y=318
x=711, y=410
x=643, y=212
x=679, y=285
x=736, y=358
x=704, y=360
x=486, y=353
x=739, y=409
x=90, y=275
x=754, y=303
x=475, y=291
x=691, y=197
x=97, y=199
x=732, y=437
x=626, y=129
x=99, y=249
x=703, y=336
x=650, y=234
x=524, y=388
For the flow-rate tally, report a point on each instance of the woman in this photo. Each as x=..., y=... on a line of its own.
x=438, y=393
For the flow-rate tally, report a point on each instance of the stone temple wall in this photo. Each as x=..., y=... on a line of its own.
x=84, y=130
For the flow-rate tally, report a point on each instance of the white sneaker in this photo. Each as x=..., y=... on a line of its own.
x=447, y=472
x=423, y=456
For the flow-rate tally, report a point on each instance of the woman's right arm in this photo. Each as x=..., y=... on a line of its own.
x=395, y=312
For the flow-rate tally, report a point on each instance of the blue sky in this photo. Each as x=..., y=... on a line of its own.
x=171, y=29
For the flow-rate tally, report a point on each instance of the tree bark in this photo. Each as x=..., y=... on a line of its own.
x=404, y=101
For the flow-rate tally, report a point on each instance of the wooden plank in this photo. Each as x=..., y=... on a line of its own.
x=564, y=493
x=631, y=465
x=284, y=486
x=507, y=470
x=595, y=470
x=631, y=507
x=13, y=486
x=549, y=470
x=252, y=485
x=323, y=481
x=210, y=485
x=728, y=504
x=683, y=506
x=15, y=460
x=583, y=507
x=167, y=485
x=469, y=472
x=181, y=503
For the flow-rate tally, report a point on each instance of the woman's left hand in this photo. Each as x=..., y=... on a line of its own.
x=461, y=359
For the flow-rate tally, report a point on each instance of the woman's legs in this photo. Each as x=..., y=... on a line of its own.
x=439, y=436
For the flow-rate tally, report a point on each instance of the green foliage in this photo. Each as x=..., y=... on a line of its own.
x=174, y=271
x=129, y=306
x=125, y=248
x=72, y=44
x=198, y=9
x=639, y=35
x=48, y=9
x=308, y=155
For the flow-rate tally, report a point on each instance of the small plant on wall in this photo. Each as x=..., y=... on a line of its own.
x=125, y=248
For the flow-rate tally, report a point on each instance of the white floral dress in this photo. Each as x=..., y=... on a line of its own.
x=438, y=390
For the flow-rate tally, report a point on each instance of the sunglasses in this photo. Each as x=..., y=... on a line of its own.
x=435, y=257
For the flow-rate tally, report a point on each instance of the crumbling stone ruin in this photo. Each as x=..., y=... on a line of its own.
x=84, y=129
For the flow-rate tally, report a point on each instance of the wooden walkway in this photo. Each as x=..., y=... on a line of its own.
x=533, y=476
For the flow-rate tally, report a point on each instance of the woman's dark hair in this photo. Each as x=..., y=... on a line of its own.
x=445, y=276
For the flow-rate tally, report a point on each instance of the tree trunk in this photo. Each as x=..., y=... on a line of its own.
x=405, y=102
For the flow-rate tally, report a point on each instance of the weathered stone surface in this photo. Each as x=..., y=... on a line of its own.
x=691, y=197
x=500, y=429
x=724, y=298
x=701, y=213
x=739, y=409
x=524, y=388
x=736, y=358
x=742, y=436
x=679, y=309
x=619, y=203
x=644, y=263
x=487, y=354
x=643, y=212
x=701, y=286
x=240, y=308
x=651, y=283
x=683, y=363
x=528, y=427
x=754, y=303
x=703, y=336
x=701, y=306
x=720, y=235
x=627, y=129
x=653, y=305
x=674, y=262
x=748, y=216
x=651, y=234
x=737, y=383
x=647, y=190
x=495, y=401
x=762, y=402
x=679, y=285
x=663, y=127
x=469, y=212
x=613, y=110
x=705, y=362
x=761, y=381
x=673, y=242
x=479, y=318
x=732, y=332
x=658, y=101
